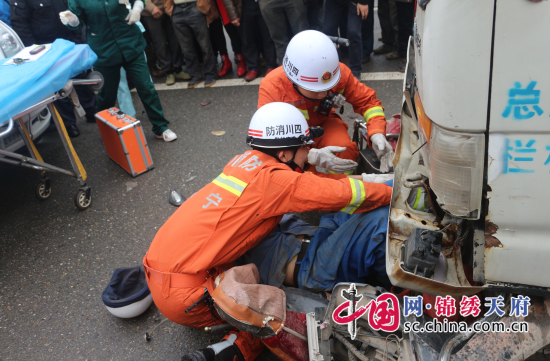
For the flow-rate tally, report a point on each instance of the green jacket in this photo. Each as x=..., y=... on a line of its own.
x=109, y=35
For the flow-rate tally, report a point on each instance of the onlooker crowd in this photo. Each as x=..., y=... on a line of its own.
x=187, y=36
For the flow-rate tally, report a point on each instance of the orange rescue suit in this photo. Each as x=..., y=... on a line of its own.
x=276, y=87
x=228, y=217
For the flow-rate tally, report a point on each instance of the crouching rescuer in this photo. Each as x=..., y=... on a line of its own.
x=233, y=214
x=314, y=81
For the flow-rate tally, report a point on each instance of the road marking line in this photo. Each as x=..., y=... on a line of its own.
x=241, y=82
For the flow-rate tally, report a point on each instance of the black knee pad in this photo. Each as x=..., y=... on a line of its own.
x=221, y=351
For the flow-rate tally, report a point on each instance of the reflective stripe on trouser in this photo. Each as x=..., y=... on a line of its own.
x=231, y=184
x=326, y=171
x=373, y=112
x=357, y=196
x=419, y=202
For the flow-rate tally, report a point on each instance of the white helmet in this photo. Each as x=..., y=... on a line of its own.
x=278, y=125
x=311, y=61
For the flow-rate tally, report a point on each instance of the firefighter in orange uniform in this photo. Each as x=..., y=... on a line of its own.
x=310, y=78
x=234, y=212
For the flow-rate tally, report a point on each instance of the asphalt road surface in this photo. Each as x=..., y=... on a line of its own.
x=55, y=260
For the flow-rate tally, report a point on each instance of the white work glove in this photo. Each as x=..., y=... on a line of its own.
x=377, y=178
x=325, y=158
x=135, y=13
x=68, y=17
x=383, y=151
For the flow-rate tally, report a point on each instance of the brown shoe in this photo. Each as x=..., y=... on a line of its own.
x=394, y=55
x=157, y=73
x=251, y=75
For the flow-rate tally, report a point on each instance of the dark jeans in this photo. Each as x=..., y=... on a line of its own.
x=138, y=71
x=315, y=14
x=367, y=30
x=274, y=11
x=405, y=18
x=217, y=37
x=334, y=13
x=165, y=43
x=189, y=24
x=87, y=99
x=252, y=23
x=387, y=14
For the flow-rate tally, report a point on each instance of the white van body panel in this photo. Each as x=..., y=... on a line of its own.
x=453, y=59
x=519, y=147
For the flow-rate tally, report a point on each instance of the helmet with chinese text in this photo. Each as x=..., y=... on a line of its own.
x=311, y=61
x=278, y=125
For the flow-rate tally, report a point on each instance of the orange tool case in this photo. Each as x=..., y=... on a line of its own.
x=124, y=141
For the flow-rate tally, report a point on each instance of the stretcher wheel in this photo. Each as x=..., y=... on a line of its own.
x=83, y=198
x=44, y=189
x=95, y=75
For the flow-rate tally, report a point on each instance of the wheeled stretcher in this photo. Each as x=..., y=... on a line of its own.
x=31, y=86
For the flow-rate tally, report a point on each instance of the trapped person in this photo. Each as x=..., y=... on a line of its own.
x=164, y=40
x=117, y=41
x=39, y=24
x=231, y=215
x=310, y=73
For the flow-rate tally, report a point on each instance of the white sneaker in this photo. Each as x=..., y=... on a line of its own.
x=168, y=136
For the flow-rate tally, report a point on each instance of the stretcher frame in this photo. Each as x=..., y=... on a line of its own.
x=83, y=199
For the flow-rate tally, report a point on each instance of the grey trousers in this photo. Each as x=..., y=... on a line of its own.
x=165, y=43
x=387, y=15
x=189, y=24
x=273, y=12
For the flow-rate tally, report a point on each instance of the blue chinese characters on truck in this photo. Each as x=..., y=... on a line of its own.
x=523, y=102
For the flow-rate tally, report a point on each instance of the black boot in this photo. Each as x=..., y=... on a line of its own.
x=72, y=131
x=221, y=351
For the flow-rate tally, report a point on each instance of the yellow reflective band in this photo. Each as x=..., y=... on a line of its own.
x=418, y=196
x=231, y=184
x=341, y=91
x=373, y=112
x=326, y=171
x=304, y=112
x=357, y=196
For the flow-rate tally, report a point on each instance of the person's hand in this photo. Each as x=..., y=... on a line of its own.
x=383, y=151
x=68, y=17
x=363, y=11
x=157, y=13
x=236, y=22
x=325, y=158
x=376, y=178
x=135, y=13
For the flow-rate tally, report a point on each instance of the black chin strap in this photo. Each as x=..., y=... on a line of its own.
x=292, y=164
x=273, y=153
x=299, y=92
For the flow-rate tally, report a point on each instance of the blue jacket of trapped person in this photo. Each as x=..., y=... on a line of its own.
x=5, y=12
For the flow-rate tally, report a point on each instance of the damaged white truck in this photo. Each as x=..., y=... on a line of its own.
x=475, y=148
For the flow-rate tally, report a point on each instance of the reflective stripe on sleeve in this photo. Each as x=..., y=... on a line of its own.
x=326, y=171
x=373, y=112
x=357, y=196
x=231, y=184
x=304, y=112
